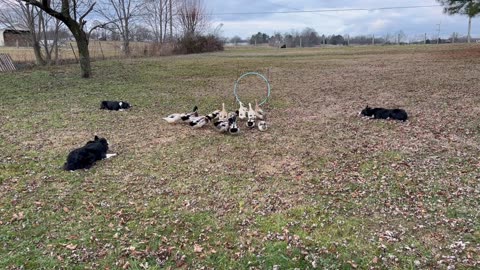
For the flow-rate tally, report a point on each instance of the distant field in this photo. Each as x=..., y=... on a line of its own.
x=322, y=188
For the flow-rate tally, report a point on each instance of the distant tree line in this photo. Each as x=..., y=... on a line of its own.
x=308, y=37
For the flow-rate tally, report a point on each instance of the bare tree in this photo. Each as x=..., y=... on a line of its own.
x=43, y=29
x=192, y=17
x=158, y=15
x=121, y=13
x=154, y=17
x=72, y=13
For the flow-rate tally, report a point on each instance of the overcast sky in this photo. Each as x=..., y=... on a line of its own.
x=379, y=22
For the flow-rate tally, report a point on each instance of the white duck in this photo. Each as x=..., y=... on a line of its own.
x=200, y=121
x=213, y=114
x=233, y=127
x=258, y=111
x=177, y=117
x=242, y=111
x=223, y=115
x=221, y=126
x=251, y=117
x=187, y=117
x=174, y=118
x=262, y=125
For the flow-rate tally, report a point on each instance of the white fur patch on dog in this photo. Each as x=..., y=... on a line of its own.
x=120, y=104
x=111, y=155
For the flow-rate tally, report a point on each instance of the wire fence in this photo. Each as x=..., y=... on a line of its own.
x=99, y=50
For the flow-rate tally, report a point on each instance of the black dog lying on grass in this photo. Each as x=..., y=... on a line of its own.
x=84, y=157
x=115, y=105
x=381, y=113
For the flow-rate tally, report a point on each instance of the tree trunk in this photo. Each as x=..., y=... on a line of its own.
x=126, y=42
x=37, y=50
x=171, y=21
x=82, y=45
x=161, y=21
x=42, y=31
x=469, y=28
x=126, y=38
x=76, y=27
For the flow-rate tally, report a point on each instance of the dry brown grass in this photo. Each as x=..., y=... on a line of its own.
x=99, y=50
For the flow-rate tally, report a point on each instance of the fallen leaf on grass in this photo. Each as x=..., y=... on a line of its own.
x=353, y=264
x=18, y=216
x=197, y=248
x=71, y=246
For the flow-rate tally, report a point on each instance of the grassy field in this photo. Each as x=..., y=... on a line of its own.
x=322, y=188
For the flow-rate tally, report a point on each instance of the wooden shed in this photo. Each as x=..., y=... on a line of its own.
x=14, y=38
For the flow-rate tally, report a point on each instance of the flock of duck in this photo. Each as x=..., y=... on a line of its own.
x=223, y=121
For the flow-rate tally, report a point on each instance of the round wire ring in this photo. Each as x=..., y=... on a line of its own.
x=248, y=74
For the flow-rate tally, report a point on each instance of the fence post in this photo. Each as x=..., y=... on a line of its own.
x=373, y=39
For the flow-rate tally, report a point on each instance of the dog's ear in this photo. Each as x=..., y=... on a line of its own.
x=237, y=112
x=96, y=138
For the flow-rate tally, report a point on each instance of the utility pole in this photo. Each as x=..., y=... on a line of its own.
x=348, y=40
x=300, y=42
x=438, y=35
x=425, y=39
x=373, y=39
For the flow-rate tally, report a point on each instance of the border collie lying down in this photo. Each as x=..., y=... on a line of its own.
x=84, y=157
x=381, y=113
x=115, y=105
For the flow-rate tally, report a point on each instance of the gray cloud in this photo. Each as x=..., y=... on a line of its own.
x=413, y=22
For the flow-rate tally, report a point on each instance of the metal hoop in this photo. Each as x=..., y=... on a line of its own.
x=249, y=74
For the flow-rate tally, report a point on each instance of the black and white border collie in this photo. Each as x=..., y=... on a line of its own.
x=84, y=157
x=115, y=105
x=381, y=113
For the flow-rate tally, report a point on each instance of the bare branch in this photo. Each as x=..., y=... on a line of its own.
x=90, y=9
